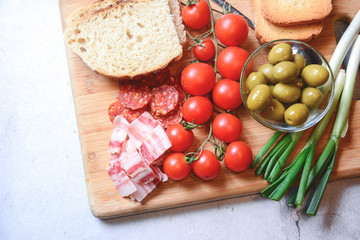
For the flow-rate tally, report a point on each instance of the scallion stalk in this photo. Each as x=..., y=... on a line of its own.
x=265, y=149
x=340, y=124
x=304, y=160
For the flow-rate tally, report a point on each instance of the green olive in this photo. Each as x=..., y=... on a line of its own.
x=275, y=111
x=299, y=60
x=285, y=71
x=266, y=69
x=272, y=88
x=299, y=82
x=286, y=92
x=280, y=52
x=311, y=96
x=296, y=114
x=315, y=75
x=259, y=98
x=254, y=79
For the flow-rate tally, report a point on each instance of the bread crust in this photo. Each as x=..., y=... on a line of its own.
x=265, y=31
x=295, y=12
x=98, y=9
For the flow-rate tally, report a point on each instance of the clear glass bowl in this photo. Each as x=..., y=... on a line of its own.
x=312, y=56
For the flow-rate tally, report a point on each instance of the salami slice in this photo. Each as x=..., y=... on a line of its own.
x=173, y=117
x=130, y=114
x=176, y=83
x=115, y=109
x=157, y=77
x=134, y=96
x=163, y=100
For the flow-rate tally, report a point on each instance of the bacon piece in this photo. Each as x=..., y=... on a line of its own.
x=142, y=190
x=122, y=182
x=162, y=177
x=118, y=138
x=145, y=176
x=141, y=128
x=155, y=145
x=160, y=160
x=133, y=163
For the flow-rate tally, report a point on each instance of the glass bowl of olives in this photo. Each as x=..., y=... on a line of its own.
x=291, y=87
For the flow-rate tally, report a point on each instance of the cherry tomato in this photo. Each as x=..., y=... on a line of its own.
x=196, y=16
x=231, y=29
x=226, y=94
x=198, y=109
x=238, y=156
x=231, y=61
x=175, y=166
x=180, y=138
x=227, y=127
x=207, y=167
x=205, y=51
x=198, y=79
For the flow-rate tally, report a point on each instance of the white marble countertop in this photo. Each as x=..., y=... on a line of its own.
x=43, y=193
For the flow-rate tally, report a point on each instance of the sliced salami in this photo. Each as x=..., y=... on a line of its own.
x=134, y=96
x=115, y=109
x=173, y=117
x=130, y=114
x=158, y=77
x=163, y=100
x=176, y=83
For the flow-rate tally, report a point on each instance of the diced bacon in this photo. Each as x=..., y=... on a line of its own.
x=115, y=157
x=160, y=160
x=142, y=190
x=122, y=182
x=162, y=177
x=118, y=138
x=145, y=176
x=141, y=128
x=132, y=162
x=155, y=145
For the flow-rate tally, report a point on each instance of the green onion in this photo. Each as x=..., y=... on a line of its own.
x=304, y=160
x=340, y=125
x=265, y=149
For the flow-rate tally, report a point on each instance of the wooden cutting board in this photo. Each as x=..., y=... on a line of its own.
x=93, y=94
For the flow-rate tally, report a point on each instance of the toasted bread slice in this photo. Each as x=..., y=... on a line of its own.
x=266, y=31
x=295, y=12
x=124, y=38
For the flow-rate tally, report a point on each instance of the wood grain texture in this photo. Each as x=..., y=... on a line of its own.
x=93, y=94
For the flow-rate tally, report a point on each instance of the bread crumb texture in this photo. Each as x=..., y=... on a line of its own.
x=124, y=38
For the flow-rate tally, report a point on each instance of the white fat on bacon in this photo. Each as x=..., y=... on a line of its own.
x=121, y=180
x=120, y=132
x=132, y=162
x=141, y=128
x=155, y=145
x=134, y=147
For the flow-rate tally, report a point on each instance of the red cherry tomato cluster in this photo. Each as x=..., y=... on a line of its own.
x=198, y=79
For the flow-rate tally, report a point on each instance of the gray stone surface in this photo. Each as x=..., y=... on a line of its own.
x=43, y=192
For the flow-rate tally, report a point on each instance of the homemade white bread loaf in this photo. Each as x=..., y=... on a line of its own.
x=265, y=31
x=126, y=38
x=295, y=12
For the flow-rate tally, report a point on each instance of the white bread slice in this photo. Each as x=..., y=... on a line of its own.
x=295, y=12
x=176, y=13
x=124, y=38
x=266, y=31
